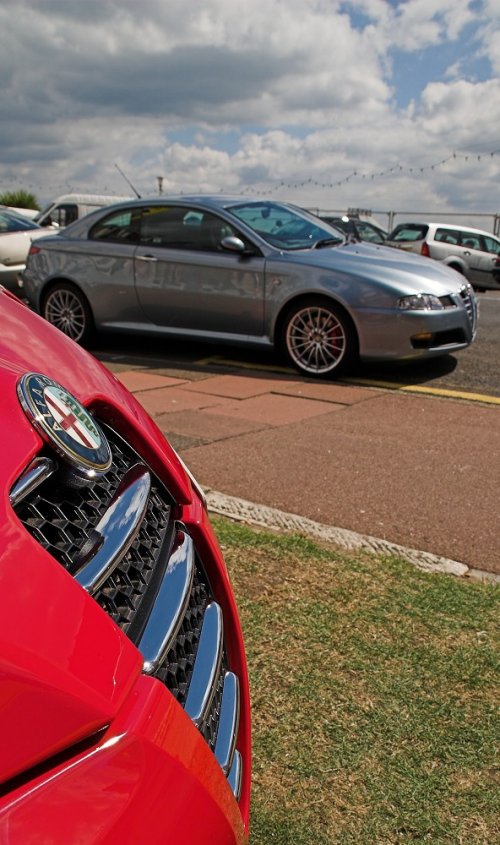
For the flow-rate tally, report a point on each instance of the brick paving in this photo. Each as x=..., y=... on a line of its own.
x=416, y=470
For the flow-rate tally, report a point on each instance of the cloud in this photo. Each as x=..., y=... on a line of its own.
x=256, y=96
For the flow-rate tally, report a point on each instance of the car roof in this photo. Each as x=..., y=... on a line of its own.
x=456, y=226
x=215, y=200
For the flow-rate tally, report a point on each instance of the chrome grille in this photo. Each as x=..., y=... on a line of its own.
x=119, y=537
x=470, y=305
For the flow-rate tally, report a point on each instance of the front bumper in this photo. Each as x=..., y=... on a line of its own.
x=146, y=761
x=391, y=334
x=149, y=777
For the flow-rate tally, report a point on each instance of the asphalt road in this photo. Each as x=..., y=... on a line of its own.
x=474, y=370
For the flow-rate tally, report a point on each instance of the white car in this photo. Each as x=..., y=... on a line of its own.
x=16, y=235
x=30, y=213
x=472, y=252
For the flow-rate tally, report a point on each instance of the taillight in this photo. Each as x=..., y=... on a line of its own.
x=424, y=250
x=34, y=250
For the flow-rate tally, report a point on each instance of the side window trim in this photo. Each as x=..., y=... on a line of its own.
x=192, y=229
x=134, y=227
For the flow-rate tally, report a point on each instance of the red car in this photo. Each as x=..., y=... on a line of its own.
x=124, y=705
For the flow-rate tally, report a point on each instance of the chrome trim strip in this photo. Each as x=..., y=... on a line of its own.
x=35, y=474
x=170, y=604
x=206, y=666
x=116, y=530
x=228, y=722
x=234, y=777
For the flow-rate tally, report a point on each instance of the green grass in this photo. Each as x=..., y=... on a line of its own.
x=374, y=695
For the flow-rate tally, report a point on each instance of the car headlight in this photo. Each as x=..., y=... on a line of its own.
x=420, y=302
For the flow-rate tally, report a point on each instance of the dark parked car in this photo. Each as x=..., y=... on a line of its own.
x=239, y=270
x=360, y=229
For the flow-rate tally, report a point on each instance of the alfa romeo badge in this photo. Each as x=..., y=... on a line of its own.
x=65, y=423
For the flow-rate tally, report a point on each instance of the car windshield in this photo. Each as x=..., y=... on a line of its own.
x=12, y=222
x=285, y=227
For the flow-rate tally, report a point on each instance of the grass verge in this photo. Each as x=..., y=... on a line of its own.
x=374, y=694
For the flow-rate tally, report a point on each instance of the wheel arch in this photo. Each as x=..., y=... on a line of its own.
x=308, y=297
x=457, y=264
x=62, y=281
x=51, y=283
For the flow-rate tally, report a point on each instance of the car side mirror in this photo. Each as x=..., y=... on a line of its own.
x=233, y=244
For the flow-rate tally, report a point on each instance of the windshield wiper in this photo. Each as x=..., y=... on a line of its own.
x=326, y=242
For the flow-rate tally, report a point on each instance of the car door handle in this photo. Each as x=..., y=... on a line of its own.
x=146, y=258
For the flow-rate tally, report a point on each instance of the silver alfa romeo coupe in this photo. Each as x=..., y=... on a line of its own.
x=248, y=271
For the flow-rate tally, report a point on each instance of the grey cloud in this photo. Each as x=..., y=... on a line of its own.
x=95, y=11
x=256, y=173
x=187, y=81
x=84, y=82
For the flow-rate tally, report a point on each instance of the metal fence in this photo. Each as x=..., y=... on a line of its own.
x=488, y=221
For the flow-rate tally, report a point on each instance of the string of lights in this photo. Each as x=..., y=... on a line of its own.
x=16, y=180
x=356, y=174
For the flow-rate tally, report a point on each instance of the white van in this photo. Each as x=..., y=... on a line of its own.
x=70, y=207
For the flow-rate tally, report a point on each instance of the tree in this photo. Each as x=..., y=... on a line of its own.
x=19, y=199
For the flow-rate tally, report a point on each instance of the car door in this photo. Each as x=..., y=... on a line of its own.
x=489, y=257
x=103, y=265
x=186, y=280
x=479, y=260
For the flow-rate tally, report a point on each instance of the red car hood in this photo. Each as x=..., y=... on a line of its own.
x=65, y=668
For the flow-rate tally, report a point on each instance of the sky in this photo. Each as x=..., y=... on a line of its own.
x=328, y=104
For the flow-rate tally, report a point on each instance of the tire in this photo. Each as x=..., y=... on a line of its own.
x=66, y=308
x=319, y=338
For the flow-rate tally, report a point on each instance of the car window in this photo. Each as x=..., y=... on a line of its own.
x=10, y=222
x=409, y=232
x=63, y=215
x=283, y=226
x=447, y=236
x=491, y=245
x=369, y=233
x=178, y=227
x=470, y=240
x=120, y=227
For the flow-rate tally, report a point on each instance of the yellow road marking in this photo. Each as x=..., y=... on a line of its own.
x=219, y=359
x=431, y=391
x=362, y=382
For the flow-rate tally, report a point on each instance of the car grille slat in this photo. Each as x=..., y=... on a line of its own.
x=469, y=302
x=235, y=775
x=228, y=722
x=38, y=471
x=119, y=536
x=171, y=604
x=116, y=530
x=206, y=669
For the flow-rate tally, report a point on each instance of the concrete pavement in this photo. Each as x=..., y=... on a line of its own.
x=418, y=471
